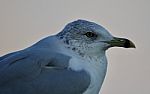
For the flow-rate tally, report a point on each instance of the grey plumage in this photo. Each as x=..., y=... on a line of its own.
x=71, y=62
x=22, y=72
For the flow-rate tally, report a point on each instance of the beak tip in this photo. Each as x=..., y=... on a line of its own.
x=132, y=45
x=129, y=44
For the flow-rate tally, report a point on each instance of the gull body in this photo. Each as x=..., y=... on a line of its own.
x=71, y=62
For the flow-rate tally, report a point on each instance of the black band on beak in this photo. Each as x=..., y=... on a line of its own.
x=127, y=43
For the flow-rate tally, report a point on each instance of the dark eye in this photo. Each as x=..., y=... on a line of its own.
x=90, y=34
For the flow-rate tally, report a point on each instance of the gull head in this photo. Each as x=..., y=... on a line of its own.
x=89, y=38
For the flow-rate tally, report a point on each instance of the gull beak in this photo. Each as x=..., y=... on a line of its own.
x=121, y=42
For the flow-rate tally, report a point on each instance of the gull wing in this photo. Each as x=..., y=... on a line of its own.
x=7, y=55
x=40, y=72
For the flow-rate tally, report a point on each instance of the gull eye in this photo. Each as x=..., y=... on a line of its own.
x=90, y=34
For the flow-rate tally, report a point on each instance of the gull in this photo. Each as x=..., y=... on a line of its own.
x=70, y=62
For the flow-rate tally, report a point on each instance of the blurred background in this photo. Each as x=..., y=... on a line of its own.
x=24, y=22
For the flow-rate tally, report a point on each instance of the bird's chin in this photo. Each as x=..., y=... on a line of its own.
x=104, y=48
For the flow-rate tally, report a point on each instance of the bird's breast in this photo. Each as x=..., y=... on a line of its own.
x=95, y=68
